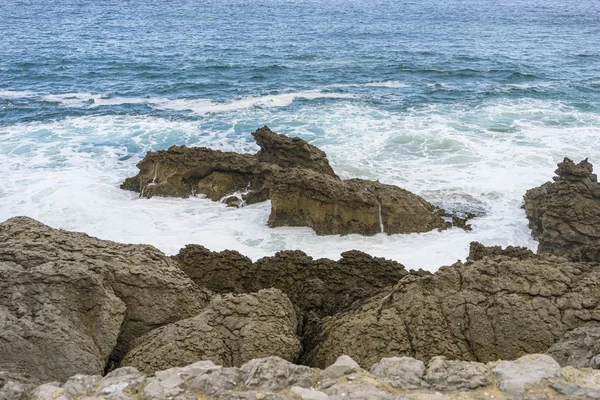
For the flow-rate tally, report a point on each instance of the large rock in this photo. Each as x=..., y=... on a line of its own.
x=564, y=215
x=493, y=308
x=233, y=329
x=578, y=348
x=331, y=206
x=322, y=286
x=71, y=303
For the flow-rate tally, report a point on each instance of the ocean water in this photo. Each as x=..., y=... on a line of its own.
x=466, y=103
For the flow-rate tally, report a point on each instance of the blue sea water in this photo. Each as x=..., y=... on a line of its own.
x=467, y=103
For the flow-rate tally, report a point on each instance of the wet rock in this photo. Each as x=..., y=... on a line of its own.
x=564, y=215
x=344, y=365
x=219, y=184
x=322, y=286
x=70, y=302
x=578, y=348
x=401, y=372
x=290, y=152
x=515, y=376
x=231, y=330
x=274, y=373
x=450, y=375
x=333, y=207
x=493, y=308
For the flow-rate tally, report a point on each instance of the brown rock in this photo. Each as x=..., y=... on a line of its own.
x=290, y=152
x=331, y=206
x=71, y=303
x=232, y=330
x=564, y=215
x=500, y=307
x=477, y=251
x=322, y=286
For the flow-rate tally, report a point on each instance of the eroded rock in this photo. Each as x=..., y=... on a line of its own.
x=564, y=215
x=71, y=303
x=493, y=308
x=231, y=330
x=578, y=348
x=515, y=377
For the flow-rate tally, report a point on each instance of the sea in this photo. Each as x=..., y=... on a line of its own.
x=467, y=103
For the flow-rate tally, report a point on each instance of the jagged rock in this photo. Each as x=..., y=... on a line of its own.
x=574, y=390
x=274, y=373
x=493, y=308
x=401, y=372
x=477, y=251
x=451, y=375
x=515, y=376
x=344, y=365
x=290, y=152
x=322, y=286
x=231, y=330
x=564, y=215
x=331, y=206
x=14, y=386
x=578, y=348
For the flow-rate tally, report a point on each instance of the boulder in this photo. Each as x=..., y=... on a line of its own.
x=578, y=348
x=514, y=377
x=334, y=207
x=493, y=308
x=231, y=330
x=564, y=215
x=401, y=372
x=322, y=286
x=71, y=303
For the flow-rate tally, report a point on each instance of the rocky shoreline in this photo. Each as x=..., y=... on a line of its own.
x=84, y=318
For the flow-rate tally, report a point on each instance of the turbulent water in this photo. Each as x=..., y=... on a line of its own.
x=467, y=103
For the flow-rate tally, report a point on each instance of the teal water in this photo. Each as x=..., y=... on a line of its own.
x=467, y=103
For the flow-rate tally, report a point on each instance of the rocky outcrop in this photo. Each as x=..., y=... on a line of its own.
x=578, y=348
x=302, y=186
x=232, y=330
x=290, y=152
x=322, y=286
x=564, y=215
x=478, y=251
x=71, y=303
x=535, y=376
x=332, y=207
x=498, y=307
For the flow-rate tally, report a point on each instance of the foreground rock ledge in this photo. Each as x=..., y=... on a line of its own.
x=398, y=378
x=297, y=178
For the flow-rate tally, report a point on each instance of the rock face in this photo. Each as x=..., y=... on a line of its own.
x=578, y=348
x=498, y=307
x=331, y=206
x=564, y=215
x=322, y=286
x=532, y=377
x=232, y=330
x=297, y=177
x=71, y=303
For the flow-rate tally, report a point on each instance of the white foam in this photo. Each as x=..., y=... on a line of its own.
x=66, y=173
x=390, y=84
x=15, y=94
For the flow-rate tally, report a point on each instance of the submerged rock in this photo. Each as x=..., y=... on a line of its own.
x=497, y=307
x=564, y=215
x=71, y=303
x=233, y=329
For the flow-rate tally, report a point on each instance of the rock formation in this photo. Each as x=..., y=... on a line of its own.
x=230, y=331
x=532, y=377
x=497, y=307
x=297, y=177
x=578, y=348
x=71, y=303
x=322, y=286
x=564, y=215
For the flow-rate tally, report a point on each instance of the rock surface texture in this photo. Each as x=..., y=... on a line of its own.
x=578, y=348
x=498, y=307
x=564, y=215
x=322, y=286
x=71, y=303
x=531, y=377
x=297, y=177
x=232, y=330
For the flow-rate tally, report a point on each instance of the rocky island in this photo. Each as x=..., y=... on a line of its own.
x=84, y=318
